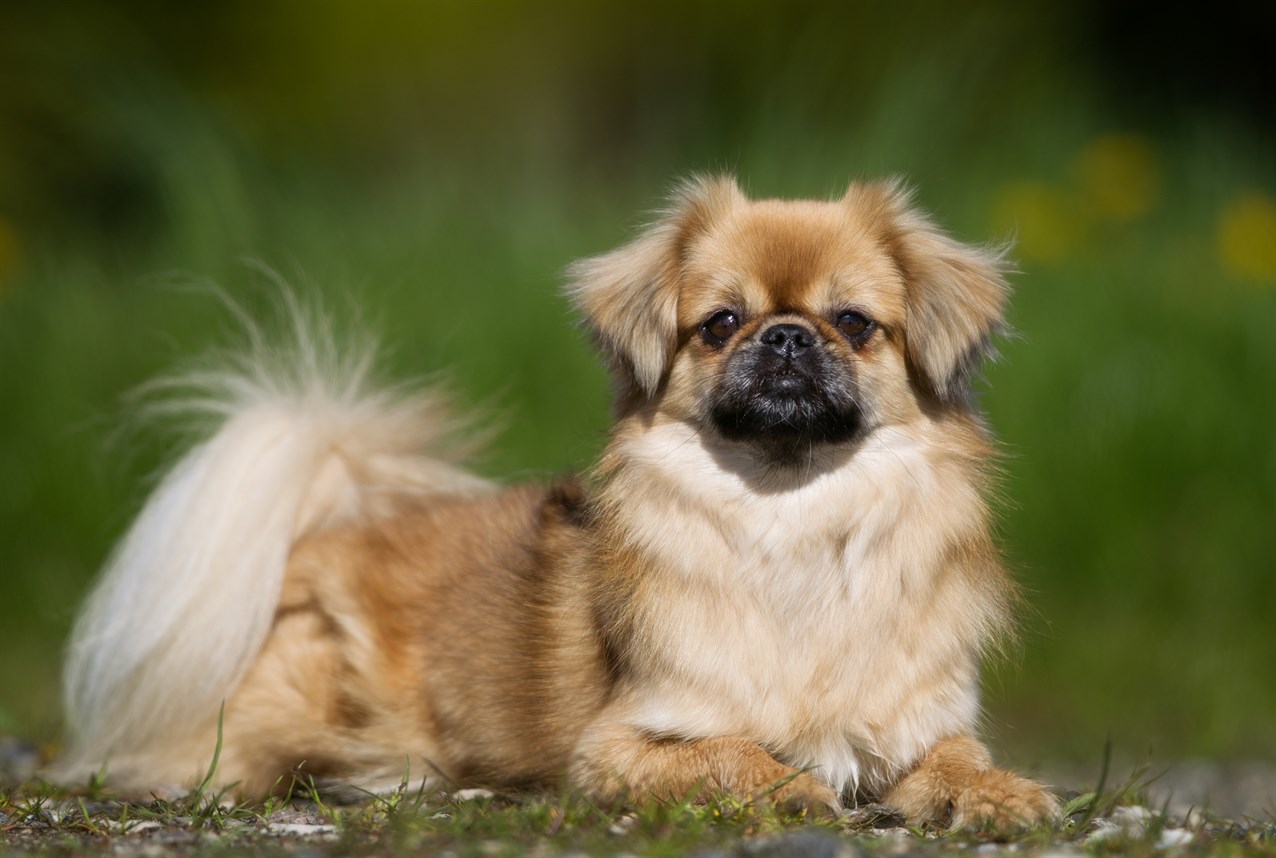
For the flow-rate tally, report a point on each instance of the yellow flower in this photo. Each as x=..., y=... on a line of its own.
x=1247, y=237
x=1043, y=220
x=1120, y=176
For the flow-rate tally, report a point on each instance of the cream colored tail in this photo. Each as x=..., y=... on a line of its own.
x=187, y=599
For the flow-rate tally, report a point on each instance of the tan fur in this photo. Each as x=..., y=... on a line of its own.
x=956, y=780
x=701, y=620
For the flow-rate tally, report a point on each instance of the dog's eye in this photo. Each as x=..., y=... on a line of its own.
x=720, y=327
x=856, y=327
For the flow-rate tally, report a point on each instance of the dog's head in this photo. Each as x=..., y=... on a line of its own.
x=783, y=324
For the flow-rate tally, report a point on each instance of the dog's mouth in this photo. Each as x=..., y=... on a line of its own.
x=781, y=404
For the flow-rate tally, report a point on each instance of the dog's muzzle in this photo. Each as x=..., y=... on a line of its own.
x=786, y=387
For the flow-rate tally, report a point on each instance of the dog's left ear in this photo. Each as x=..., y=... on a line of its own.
x=629, y=297
x=956, y=293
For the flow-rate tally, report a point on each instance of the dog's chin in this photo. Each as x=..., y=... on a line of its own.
x=783, y=419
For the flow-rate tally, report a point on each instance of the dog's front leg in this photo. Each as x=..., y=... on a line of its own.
x=956, y=779
x=615, y=761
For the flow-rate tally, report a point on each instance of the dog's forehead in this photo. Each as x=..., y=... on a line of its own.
x=793, y=254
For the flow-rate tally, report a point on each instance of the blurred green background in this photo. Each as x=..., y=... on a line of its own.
x=431, y=168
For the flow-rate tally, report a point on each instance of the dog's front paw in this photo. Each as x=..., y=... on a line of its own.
x=805, y=793
x=1000, y=800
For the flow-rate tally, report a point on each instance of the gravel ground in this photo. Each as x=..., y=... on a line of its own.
x=1235, y=790
x=94, y=828
x=1232, y=790
x=1171, y=820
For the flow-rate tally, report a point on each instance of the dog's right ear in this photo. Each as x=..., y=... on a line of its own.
x=629, y=297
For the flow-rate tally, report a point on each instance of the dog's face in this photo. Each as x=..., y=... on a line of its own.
x=781, y=325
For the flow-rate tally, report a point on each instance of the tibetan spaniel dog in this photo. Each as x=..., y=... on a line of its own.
x=776, y=583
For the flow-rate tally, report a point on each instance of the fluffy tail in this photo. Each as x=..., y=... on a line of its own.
x=300, y=443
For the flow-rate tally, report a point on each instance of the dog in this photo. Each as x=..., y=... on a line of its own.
x=776, y=584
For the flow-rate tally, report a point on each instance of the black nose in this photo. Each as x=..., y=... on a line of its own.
x=788, y=340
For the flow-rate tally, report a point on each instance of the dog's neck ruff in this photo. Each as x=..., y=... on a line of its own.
x=811, y=612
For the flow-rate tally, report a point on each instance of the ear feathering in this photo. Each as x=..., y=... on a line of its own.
x=956, y=293
x=629, y=296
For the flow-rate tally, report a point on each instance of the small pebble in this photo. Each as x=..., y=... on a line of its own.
x=1173, y=837
x=1132, y=816
x=1102, y=829
x=295, y=817
x=472, y=794
x=623, y=825
x=131, y=826
x=298, y=829
x=1131, y=821
x=897, y=833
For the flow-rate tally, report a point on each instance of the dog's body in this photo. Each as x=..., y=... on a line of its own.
x=779, y=582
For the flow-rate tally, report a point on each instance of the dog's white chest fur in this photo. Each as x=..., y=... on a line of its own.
x=805, y=616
